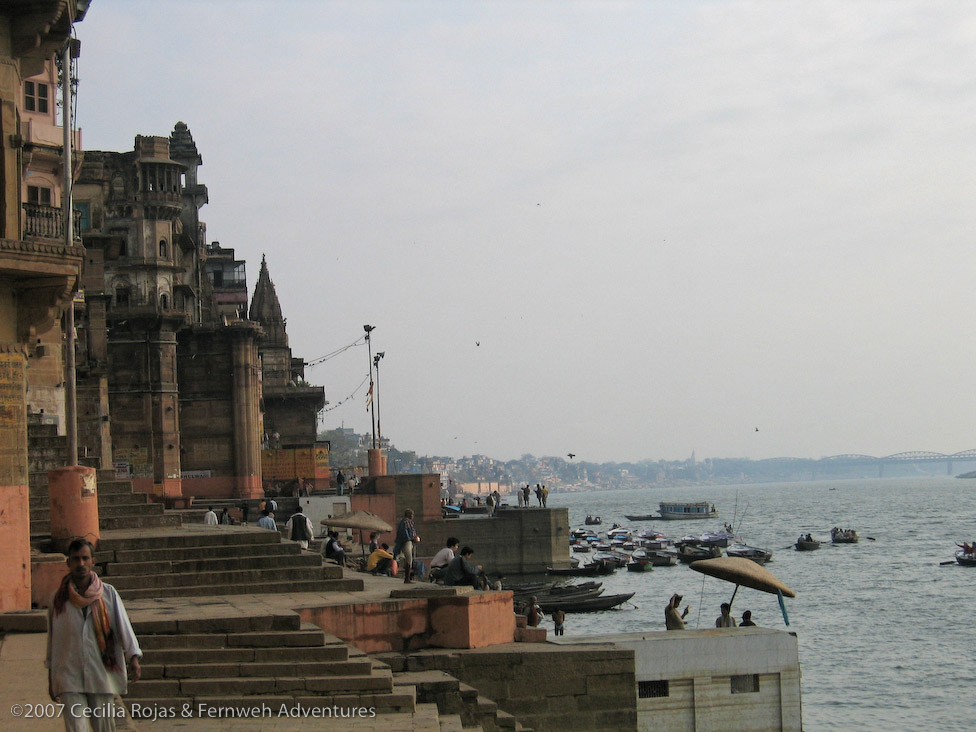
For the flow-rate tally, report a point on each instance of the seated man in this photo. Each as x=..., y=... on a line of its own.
x=380, y=561
x=333, y=549
x=443, y=558
x=461, y=572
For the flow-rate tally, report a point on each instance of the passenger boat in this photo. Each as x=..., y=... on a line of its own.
x=843, y=536
x=966, y=560
x=759, y=556
x=682, y=511
x=807, y=544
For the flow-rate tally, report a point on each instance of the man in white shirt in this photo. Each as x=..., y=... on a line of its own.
x=438, y=565
x=210, y=517
x=89, y=644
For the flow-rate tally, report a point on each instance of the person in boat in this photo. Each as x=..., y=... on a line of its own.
x=967, y=548
x=747, y=620
x=725, y=620
x=672, y=620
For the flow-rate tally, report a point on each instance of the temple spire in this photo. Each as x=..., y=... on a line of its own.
x=266, y=310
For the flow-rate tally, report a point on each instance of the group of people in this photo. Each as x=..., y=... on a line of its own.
x=968, y=548
x=673, y=620
x=524, y=495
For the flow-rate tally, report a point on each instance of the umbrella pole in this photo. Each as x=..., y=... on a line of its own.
x=733, y=596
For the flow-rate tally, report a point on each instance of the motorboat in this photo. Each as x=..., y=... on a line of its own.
x=684, y=511
x=583, y=548
x=807, y=543
x=593, y=521
x=759, y=556
x=615, y=557
x=843, y=536
x=660, y=558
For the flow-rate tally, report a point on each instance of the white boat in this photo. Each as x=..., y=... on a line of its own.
x=683, y=511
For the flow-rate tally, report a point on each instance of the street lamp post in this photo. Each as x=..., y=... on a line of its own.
x=379, y=424
x=369, y=346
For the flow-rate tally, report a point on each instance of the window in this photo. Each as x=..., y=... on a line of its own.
x=745, y=684
x=85, y=210
x=39, y=195
x=162, y=248
x=35, y=97
x=122, y=297
x=164, y=302
x=652, y=689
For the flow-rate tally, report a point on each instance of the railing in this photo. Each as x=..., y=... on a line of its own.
x=47, y=222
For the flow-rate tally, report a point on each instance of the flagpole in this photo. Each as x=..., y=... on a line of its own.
x=372, y=401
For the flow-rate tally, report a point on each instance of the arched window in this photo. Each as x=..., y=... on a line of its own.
x=164, y=302
x=162, y=249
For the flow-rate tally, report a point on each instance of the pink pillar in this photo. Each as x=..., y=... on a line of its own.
x=376, y=463
x=74, y=505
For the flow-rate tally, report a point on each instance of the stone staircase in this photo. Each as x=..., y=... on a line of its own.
x=257, y=661
x=118, y=506
x=218, y=560
x=460, y=706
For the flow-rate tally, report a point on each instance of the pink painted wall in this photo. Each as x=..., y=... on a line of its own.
x=15, y=581
x=467, y=621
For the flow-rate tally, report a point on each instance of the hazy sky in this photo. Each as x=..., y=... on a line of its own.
x=666, y=224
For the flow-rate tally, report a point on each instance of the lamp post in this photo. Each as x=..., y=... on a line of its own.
x=369, y=346
x=379, y=424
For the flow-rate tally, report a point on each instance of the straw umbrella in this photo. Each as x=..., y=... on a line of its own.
x=362, y=520
x=746, y=573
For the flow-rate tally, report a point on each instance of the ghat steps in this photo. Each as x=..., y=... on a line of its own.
x=200, y=561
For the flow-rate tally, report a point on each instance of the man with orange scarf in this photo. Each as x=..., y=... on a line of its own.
x=89, y=643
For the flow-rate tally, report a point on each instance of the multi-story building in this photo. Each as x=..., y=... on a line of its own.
x=39, y=270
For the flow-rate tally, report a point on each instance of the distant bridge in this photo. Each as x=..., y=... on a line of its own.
x=913, y=456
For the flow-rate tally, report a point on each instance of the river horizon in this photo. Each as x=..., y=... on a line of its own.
x=875, y=621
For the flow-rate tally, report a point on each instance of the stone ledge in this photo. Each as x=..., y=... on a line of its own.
x=438, y=591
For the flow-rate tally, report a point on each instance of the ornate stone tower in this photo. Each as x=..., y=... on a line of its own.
x=291, y=406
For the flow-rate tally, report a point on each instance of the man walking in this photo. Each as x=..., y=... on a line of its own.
x=89, y=643
x=210, y=517
x=406, y=535
x=299, y=528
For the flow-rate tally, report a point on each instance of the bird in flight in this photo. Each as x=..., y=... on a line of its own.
x=570, y=455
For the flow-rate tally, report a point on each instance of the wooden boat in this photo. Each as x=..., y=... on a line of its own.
x=612, y=556
x=642, y=517
x=684, y=511
x=593, y=521
x=759, y=556
x=640, y=565
x=660, y=558
x=584, y=605
x=843, y=536
x=966, y=560
x=807, y=544
x=688, y=553
x=584, y=570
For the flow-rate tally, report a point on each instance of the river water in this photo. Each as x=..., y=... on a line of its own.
x=885, y=633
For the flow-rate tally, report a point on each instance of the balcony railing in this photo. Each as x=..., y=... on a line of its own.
x=47, y=222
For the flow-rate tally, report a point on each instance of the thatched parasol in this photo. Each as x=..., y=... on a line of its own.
x=747, y=573
x=362, y=520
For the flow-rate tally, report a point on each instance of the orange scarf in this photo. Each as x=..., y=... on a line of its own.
x=92, y=598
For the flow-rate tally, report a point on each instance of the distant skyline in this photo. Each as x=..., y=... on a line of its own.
x=625, y=230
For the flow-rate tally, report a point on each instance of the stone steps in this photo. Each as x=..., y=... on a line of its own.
x=248, y=577
x=460, y=706
x=211, y=564
x=176, y=554
x=258, y=662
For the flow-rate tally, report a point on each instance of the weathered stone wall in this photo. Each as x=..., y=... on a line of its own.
x=546, y=687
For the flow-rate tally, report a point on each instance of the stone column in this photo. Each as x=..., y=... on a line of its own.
x=247, y=427
x=15, y=583
x=74, y=505
x=375, y=463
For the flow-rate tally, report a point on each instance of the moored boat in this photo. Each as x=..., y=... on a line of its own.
x=642, y=517
x=585, y=604
x=682, y=511
x=660, y=558
x=593, y=521
x=688, y=553
x=759, y=556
